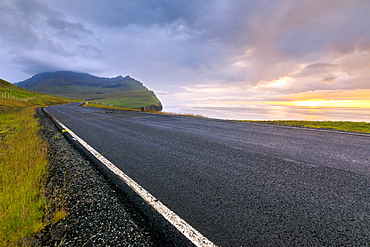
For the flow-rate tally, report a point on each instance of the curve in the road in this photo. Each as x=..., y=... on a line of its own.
x=240, y=183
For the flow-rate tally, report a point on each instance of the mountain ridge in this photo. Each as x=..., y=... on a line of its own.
x=119, y=91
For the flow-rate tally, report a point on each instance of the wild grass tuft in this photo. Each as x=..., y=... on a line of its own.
x=59, y=215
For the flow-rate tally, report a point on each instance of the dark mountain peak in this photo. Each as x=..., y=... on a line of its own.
x=59, y=73
x=126, y=78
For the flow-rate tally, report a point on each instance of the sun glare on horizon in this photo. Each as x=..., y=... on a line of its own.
x=314, y=103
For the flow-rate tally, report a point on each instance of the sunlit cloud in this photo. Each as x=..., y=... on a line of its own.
x=358, y=94
x=330, y=103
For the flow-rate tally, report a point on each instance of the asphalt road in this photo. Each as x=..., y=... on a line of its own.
x=240, y=184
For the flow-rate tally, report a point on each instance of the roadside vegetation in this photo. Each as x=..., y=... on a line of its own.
x=23, y=163
x=362, y=127
x=100, y=105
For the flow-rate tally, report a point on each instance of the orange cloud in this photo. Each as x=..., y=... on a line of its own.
x=359, y=94
x=323, y=103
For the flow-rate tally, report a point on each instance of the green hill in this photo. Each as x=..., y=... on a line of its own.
x=13, y=97
x=117, y=91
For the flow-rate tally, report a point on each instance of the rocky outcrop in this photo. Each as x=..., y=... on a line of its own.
x=151, y=108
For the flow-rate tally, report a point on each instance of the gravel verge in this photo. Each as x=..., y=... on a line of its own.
x=98, y=214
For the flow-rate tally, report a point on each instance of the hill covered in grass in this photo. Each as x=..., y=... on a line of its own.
x=118, y=91
x=13, y=97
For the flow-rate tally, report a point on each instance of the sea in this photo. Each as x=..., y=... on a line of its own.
x=277, y=113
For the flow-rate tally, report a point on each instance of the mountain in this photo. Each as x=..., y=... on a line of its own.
x=118, y=91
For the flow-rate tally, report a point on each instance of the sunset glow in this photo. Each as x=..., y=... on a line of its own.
x=329, y=103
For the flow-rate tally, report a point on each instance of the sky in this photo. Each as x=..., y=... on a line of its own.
x=216, y=53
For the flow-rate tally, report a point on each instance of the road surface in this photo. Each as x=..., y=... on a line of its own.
x=238, y=183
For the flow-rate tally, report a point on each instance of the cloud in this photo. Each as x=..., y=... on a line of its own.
x=120, y=14
x=316, y=69
x=329, y=79
x=290, y=34
x=39, y=38
x=194, y=50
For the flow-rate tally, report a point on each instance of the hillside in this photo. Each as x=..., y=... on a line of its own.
x=7, y=85
x=118, y=91
x=13, y=97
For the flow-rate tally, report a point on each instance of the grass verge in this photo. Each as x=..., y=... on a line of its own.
x=23, y=162
x=362, y=127
x=108, y=106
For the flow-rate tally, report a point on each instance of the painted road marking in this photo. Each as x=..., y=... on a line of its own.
x=181, y=225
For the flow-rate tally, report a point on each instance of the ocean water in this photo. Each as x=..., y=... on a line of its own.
x=277, y=113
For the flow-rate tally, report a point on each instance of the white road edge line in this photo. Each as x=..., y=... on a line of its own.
x=187, y=230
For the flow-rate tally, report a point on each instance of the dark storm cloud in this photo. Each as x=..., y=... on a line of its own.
x=143, y=13
x=32, y=24
x=39, y=38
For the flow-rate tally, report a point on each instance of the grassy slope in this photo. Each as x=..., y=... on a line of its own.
x=362, y=127
x=131, y=99
x=13, y=97
x=23, y=162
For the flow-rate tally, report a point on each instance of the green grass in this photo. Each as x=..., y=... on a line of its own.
x=109, y=106
x=362, y=127
x=130, y=99
x=23, y=163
